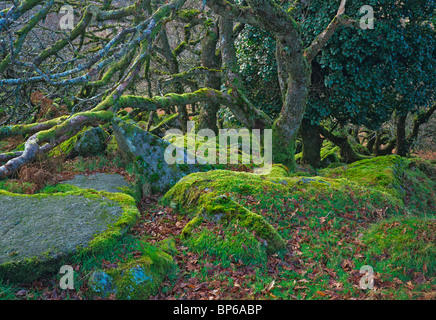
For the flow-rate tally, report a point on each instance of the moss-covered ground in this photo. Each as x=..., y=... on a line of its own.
x=378, y=213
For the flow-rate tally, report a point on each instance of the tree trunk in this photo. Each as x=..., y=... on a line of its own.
x=401, y=146
x=371, y=139
x=174, y=69
x=209, y=59
x=293, y=61
x=419, y=120
x=297, y=79
x=312, y=143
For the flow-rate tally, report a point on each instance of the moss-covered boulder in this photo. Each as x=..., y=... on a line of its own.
x=138, y=278
x=89, y=142
x=147, y=151
x=411, y=181
x=373, y=188
x=228, y=242
x=41, y=232
x=223, y=211
x=208, y=198
x=193, y=191
x=382, y=173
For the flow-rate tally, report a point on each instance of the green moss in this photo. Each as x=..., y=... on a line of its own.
x=137, y=279
x=283, y=151
x=112, y=146
x=188, y=14
x=196, y=194
x=329, y=154
x=189, y=192
x=358, y=148
x=279, y=170
x=164, y=121
x=31, y=268
x=394, y=175
x=426, y=167
x=191, y=225
x=67, y=148
x=419, y=183
x=223, y=210
x=169, y=246
x=229, y=243
x=58, y=188
x=64, y=127
x=381, y=173
x=222, y=197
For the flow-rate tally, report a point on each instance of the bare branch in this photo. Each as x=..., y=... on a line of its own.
x=320, y=41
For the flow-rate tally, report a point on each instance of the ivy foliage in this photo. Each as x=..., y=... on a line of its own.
x=258, y=69
x=362, y=76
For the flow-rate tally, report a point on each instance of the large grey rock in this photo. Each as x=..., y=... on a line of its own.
x=100, y=182
x=147, y=151
x=38, y=232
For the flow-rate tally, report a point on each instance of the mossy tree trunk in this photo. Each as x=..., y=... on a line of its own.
x=293, y=61
x=173, y=64
x=401, y=142
x=45, y=141
x=210, y=59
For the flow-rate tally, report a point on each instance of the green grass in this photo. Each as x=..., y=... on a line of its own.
x=231, y=245
x=410, y=243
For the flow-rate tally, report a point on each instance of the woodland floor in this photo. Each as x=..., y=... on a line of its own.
x=316, y=265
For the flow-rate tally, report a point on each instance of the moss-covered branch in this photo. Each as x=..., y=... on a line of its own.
x=25, y=129
x=90, y=12
x=348, y=153
x=191, y=73
x=46, y=140
x=419, y=120
x=22, y=34
x=173, y=99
